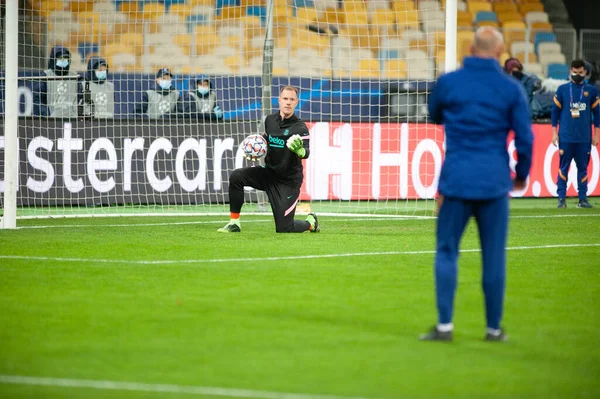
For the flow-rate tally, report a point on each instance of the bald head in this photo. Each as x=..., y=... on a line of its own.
x=488, y=43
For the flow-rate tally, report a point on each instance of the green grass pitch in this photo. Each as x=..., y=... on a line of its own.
x=119, y=307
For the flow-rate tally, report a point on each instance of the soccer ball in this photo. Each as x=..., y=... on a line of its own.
x=254, y=146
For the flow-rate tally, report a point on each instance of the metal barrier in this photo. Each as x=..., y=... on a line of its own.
x=589, y=44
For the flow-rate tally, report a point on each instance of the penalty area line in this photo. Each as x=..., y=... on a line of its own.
x=164, y=388
x=273, y=258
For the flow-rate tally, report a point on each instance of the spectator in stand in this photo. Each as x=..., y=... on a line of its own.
x=530, y=82
x=57, y=97
x=163, y=101
x=202, y=101
x=97, y=94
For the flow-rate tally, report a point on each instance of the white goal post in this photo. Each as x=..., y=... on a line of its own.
x=363, y=69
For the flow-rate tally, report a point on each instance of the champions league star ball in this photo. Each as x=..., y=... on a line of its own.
x=254, y=146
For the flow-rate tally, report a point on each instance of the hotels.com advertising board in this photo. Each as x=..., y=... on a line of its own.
x=360, y=161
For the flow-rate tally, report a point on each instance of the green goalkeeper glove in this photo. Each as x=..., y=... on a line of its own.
x=294, y=143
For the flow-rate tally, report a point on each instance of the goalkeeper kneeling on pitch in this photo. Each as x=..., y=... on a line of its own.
x=281, y=177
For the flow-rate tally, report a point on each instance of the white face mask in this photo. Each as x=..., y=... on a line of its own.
x=62, y=63
x=100, y=75
x=203, y=90
x=165, y=84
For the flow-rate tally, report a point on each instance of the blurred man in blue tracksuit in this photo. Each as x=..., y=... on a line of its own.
x=574, y=105
x=478, y=105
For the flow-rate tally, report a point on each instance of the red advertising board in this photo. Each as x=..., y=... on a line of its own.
x=372, y=161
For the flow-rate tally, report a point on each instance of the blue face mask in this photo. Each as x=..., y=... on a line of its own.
x=100, y=75
x=164, y=84
x=62, y=63
x=203, y=90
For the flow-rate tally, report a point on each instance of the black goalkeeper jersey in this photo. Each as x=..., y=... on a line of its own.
x=286, y=165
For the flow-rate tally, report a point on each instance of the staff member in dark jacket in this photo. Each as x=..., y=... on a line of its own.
x=576, y=106
x=57, y=98
x=97, y=94
x=281, y=178
x=163, y=100
x=478, y=105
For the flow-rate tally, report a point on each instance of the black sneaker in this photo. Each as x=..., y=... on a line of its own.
x=562, y=203
x=314, y=222
x=497, y=338
x=436, y=335
x=584, y=204
x=230, y=228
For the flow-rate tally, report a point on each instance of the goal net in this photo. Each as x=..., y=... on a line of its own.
x=101, y=130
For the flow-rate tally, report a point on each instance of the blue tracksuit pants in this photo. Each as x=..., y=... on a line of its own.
x=492, y=220
x=581, y=153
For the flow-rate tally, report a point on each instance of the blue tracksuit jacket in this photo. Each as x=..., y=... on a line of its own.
x=585, y=98
x=478, y=105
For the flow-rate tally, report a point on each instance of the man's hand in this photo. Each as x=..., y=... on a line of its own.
x=554, y=138
x=519, y=185
x=294, y=143
x=595, y=138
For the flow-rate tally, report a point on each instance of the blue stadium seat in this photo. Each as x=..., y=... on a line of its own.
x=303, y=3
x=224, y=3
x=86, y=48
x=169, y=3
x=258, y=11
x=541, y=37
x=486, y=16
x=558, y=71
x=388, y=54
x=193, y=20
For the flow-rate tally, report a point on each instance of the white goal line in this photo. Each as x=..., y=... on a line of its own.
x=164, y=388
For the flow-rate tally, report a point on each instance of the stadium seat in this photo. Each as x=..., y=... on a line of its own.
x=369, y=66
x=549, y=47
x=407, y=20
x=305, y=14
x=535, y=69
x=475, y=6
x=552, y=58
x=172, y=3
x=558, y=71
x=402, y=5
x=526, y=57
x=541, y=27
x=504, y=7
x=522, y=47
x=541, y=37
x=429, y=5
x=528, y=7
x=536, y=16
x=395, y=69
x=505, y=17
x=388, y=54
x=486, y=16
x=152, y=11
x=383, y=18
x=86, y=48
x=123, y=62
x=422, y=69
x=181, y=10
x=133, y=40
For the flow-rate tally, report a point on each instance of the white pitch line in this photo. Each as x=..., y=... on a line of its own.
x=164, y=388
x=272, y=258
x=333, y=219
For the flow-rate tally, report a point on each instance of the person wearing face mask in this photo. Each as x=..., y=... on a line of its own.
x=163, y=100
x=530, y=82
x=203, y=101
x=576, y=106
x=97, y=94
x=57, y=98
